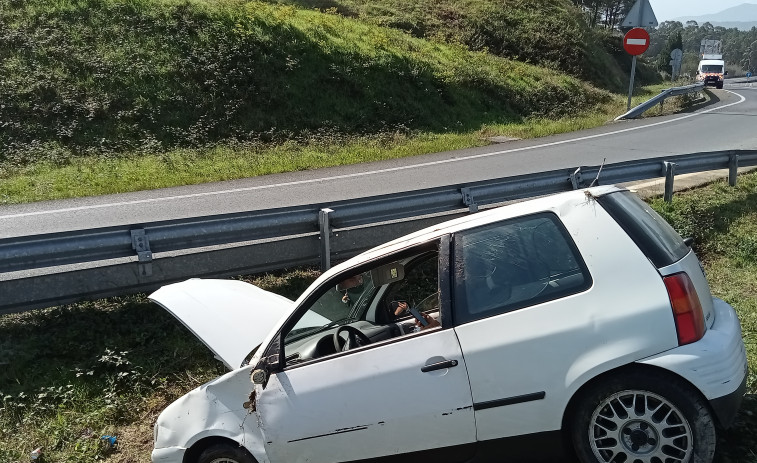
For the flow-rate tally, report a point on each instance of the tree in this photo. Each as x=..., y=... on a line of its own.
x=675, y=41
x=605, y=13
x=738, y=46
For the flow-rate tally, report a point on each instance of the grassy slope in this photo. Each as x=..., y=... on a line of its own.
x=141, y=359
x=550, y=33
x=108, y=77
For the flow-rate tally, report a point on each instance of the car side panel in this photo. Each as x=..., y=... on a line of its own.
x=525, y=365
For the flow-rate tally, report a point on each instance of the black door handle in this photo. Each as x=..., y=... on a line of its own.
x=439, y=365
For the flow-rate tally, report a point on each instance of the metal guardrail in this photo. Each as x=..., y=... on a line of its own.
x=675, y=91
x=58, y=268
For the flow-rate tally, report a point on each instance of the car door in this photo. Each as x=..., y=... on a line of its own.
x=407, y=395
x=536, y=317
x=510, y=326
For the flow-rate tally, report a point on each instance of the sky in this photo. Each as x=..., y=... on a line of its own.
x=666, y=10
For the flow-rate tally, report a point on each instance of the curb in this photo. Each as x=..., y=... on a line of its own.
x=647, y=189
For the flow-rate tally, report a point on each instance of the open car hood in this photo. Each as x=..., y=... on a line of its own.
x=230, y=317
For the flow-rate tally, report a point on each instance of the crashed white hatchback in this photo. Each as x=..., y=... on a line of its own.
x=580, y=318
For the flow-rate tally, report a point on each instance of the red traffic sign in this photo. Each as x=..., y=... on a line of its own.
x=636, y=41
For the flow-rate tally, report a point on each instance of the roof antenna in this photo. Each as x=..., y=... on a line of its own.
x=594, y=182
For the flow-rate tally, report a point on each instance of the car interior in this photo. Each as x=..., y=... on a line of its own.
x=363, y=309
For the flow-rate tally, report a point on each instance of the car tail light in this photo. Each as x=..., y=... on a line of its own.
x=687, y=310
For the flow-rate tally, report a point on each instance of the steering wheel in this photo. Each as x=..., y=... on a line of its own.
x=355, y=338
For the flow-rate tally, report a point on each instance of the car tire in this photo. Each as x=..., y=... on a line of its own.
x=645, y=417
x=719, y=86
x=225, y=453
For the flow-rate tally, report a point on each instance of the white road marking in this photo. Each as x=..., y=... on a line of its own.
x=363, y=174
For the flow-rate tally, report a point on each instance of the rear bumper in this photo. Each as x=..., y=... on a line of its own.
x=727, y=407
x=716, y=364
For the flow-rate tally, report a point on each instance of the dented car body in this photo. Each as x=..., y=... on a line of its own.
x=579, y=318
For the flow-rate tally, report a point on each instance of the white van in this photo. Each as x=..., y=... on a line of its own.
x=711, y=72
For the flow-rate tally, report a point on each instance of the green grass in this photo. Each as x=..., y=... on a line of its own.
x=119, y=78
x=71, y=374
x=549, y=33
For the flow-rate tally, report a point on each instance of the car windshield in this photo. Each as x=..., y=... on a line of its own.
x=341, y=304
x=712, y=68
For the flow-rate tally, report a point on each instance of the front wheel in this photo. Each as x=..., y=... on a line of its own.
x=225, y=453
x=643, y=418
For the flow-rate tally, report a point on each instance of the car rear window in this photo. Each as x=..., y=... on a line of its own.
x=652, y=234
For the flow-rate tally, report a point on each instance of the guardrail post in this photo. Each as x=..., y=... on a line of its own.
x=141, y=244
x=469, y=200
x=325, y=226
x=576, y=179
x=733, y=169
x=670, y=172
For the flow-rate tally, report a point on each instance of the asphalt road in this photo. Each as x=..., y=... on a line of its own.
x=729, y=122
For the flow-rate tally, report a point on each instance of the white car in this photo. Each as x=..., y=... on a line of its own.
x=575, y=323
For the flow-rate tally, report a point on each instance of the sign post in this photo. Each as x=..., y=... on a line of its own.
x=635, y=43
x=675, y=62
x=639, y=16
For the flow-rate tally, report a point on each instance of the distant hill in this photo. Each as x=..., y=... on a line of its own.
x=742, y=17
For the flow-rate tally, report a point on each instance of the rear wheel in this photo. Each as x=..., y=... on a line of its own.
x=643, y=418
x=225, y=453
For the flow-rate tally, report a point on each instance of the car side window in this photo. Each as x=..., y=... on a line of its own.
x=514, y=264
x=369, y=304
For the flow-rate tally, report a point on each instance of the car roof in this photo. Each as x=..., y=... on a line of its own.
x=531, y=206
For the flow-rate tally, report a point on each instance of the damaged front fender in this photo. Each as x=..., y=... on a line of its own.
x=215, y=409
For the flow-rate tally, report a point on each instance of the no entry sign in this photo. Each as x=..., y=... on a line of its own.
x=636, y=41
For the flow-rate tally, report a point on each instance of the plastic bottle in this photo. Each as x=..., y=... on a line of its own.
x=35, y=454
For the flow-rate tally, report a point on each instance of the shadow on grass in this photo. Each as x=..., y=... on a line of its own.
x=44, y=348
x=738, y=444
x=712, y=99
x=47, y=348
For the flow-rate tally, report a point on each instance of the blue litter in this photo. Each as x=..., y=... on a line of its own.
x=111, y=441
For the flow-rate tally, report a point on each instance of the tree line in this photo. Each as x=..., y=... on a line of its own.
x=606, y=14
x=739, y=47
